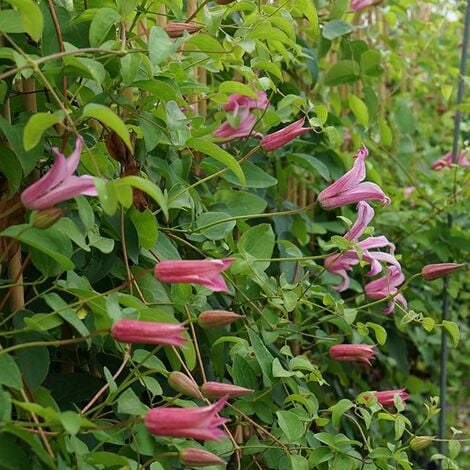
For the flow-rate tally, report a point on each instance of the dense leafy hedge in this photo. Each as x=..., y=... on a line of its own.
x=113, y=351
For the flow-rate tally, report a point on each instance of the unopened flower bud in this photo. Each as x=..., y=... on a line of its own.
x=214, y=318
x=224, y=2
x=199, y=458
x=421, y=442
x=184, y=384
x=435, y=271
x=47, y=217
x=176, y=30
x=219, y=390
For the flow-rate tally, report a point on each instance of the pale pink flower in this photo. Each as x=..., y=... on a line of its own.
x=283, y=136
x=219, y=390
x=353, y=352
x=143, y=332
x=387, y=397
x=205, y=272
x=350, y=189
x=446, y=161
x=436, y=271
x=237, y=101
x=195, y=423
x=193, y=457
x=244, y=129
x=59, y=184
x=387, y=286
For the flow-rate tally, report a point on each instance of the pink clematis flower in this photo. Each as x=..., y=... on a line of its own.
x=353, y=352
x=365, y=214
x=244, y=129
x=219, y=390
x=386, y=398
x=176, y=30
x=350, y=189
x=193, y=457
x=237, y=101
x=205, y=272
x=194, y=423
x=283, y=136
x=215, y=318
x=446, y=161
x=144, y=332
x=59, y=184
x=387, y=286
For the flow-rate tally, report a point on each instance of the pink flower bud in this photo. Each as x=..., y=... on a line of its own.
x=219, y=390
x=47, y=217
x=283, y=136
x=353, y=352
x=199, y=458
x=197, y=423
x=205, y=272
x=435, y=271
x=387, y=397
x=176, y=30
x=184, y=384
x=214, y=318
x=143, y=332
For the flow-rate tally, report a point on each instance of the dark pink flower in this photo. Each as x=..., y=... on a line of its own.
x=353, y=352
x=214, y=318
x=219, y=390
x=176, y=30
x=205, y=272
x=59, y=184
x=446, y=161
x=365, y=214
x=244, y=129
x=283, y=136
x=435, y=271
x=387, y=397
x=195, y=423
x=350, y=189
x=387, y=286
x=144, y=332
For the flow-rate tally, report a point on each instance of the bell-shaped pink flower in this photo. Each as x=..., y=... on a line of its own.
x=353, y=352
x=237, y=101
x=283, y=136
x=387, y=286
x=349, y=189
x=446, y=161
x=59, y=184
x=436, y=271
x=244, y=129
x=387, y=397
x=205, y=272
x=194, y=423
x=220, y=390
x=144, y=332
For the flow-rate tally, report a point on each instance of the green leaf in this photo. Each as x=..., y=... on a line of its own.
x=129, y=403
x=108, y=118
x=263, y=356
x=291, y=425
x=214, y=151
x=31, y=16
x=236, y=87
x=36, y=126
x=11, y=22
x=345, y=71
x=160, y=45
x=279, y=371
x=101, y=24
x=359, y=109
x=107, y=195
x=370, y=63
x=70, y=421
x=453, y=330
x=33, y=362
x=237, y=203
x=336, y=28
x=10, y=374
x=386, y=137
x=339, y=409
x=5, y=411
x=214, y=225
x=243, y=375
x=310, y=163
x=454, y=448
x=146, y=226
x=258, y=242
x=50, y=241
x=380, y=332
x=147, y=187
x=307, y=7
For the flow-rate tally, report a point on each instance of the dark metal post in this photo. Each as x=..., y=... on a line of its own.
x=445, y=297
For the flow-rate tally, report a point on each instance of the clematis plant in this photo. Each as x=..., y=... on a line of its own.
x=283, y=136
x=59, y=183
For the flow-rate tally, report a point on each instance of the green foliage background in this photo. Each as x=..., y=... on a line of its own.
x=385, y=76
